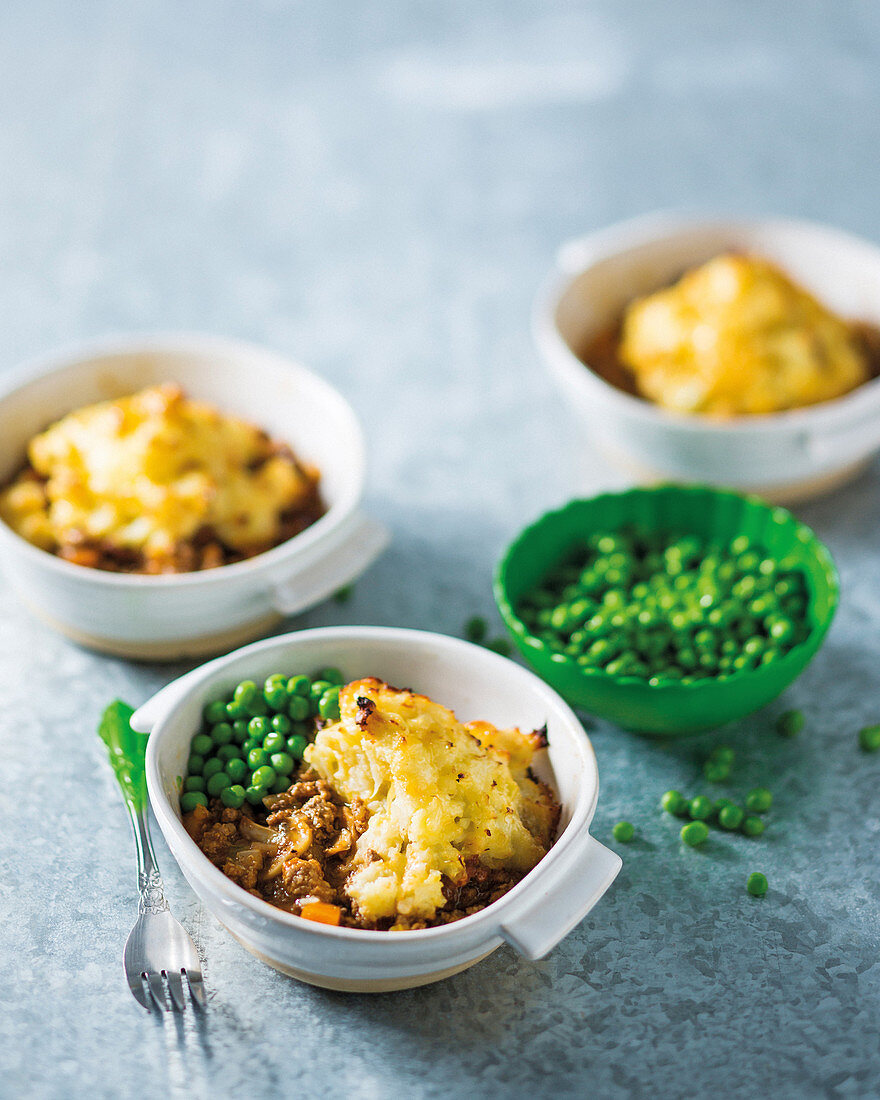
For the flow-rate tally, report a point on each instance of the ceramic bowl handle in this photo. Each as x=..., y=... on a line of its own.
x=364, y=541
x=535, y=928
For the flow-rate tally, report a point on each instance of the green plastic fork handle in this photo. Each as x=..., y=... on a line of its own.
x=125, y=749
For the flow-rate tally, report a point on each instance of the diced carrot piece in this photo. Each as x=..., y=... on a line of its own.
x=322, y=912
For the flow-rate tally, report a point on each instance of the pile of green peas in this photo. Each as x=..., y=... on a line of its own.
x=253, y=739
x=666, y=606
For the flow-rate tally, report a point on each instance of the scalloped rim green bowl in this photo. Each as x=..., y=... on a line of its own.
x=669, y=709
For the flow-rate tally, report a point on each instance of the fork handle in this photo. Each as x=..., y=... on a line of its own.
x=151, y=893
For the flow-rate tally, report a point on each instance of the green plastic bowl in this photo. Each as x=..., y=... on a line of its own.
x=666, y=710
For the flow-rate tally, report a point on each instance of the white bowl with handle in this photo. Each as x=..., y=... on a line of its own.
x=477, y=684
x=168, y=617
x=784, y=456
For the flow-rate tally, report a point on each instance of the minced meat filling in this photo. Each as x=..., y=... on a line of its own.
x=298, y=851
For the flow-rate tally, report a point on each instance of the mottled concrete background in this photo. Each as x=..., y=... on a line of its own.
x=377, y=188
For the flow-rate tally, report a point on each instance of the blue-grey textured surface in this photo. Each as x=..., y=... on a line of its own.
x=377, y=188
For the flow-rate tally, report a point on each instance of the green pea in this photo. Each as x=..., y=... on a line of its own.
x=299, y=708
x=694, y=833
x=281, y=724
x=869, y=738
x=257, y=707
x=258, y=727
x=240, y=730
x=700, y=808
x=256, y=758
x=790, y=723
x=282, y=762
x=191, y=799
x=296, y=746
x=730, y=817
x=299, y=685
x=475, y=630
x=723, y=753
x=782, y=631
x=759, y=800
x=752, y=825
x=281, y=784
x=255, y=795
x=228, y=752
x=757, y=884
x=212, y=766
x=275, y=692
x=264, y=776
x=195, y=764
x=623, y=831
x=194, y=783
x=328, y=705
x=244, y=693
x=235, y=710
x=233, y=797
x=222, y=734
x=236, y=769
x=674, y=802
x=716, y=771
x=215, y=712
x=216, y=783
x=754, y=646
x=202, y=745
x=248, y=747
x=274, y=742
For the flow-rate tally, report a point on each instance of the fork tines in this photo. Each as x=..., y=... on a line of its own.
x=166, y=990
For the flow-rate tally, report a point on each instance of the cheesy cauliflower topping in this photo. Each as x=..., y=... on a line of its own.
x=440, y=797
x=148, y=474
x=736, y=336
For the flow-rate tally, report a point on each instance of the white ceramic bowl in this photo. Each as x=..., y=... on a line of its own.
x=533, y=917
x=189, y=614
x=784, y=456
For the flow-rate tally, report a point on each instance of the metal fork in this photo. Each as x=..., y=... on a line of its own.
x=159, y=952
x=160, y=959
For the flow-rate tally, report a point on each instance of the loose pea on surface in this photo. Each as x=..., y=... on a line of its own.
x=730, y=817
x=694, y=833
x=700, y=808
x=869, y=738
x=674, y=802
x=757, y=884
x=759, y=800
x=790, y=723
x=752, y=825
x=623, y=831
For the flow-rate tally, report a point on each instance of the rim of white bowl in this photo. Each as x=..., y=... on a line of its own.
x=36, y=369
x=624, y=235
x=581, y=816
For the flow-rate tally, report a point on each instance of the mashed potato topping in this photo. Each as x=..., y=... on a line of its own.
x=153, y=472
x=441, y=797
x=736, y=336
